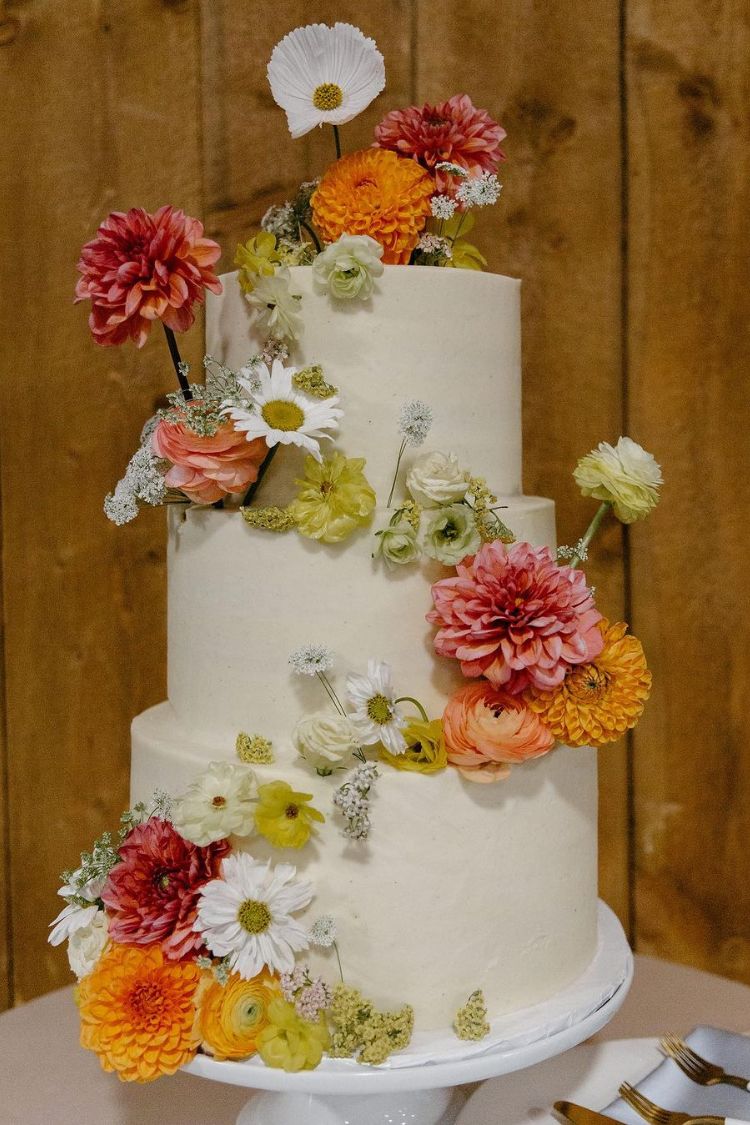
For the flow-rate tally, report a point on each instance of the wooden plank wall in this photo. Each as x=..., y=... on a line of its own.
x=625, y=210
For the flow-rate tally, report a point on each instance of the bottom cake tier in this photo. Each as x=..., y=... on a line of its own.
x=459, y=886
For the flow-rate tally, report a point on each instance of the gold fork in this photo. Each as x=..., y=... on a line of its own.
x=697, y=1068
x=656, y=1115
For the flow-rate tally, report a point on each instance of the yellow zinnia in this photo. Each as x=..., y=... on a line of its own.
x=597, y=702
x=289, y=1042
x=258, y=257
x=334, y=498
x=231, y=1016
x=285, y=817
x=425, y=750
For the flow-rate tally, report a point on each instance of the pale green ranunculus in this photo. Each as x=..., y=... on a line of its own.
x=348, y=267
x=624, y=475
x=397, y=544
x=451, y=535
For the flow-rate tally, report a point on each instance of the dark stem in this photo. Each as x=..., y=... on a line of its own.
x=313, y=235
x=337, y=139
x=259, y=480
x=174, y=352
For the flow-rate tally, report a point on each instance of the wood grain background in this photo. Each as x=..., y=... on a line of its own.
x=626, y=210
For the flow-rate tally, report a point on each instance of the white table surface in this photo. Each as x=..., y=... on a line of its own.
x=47, y=1079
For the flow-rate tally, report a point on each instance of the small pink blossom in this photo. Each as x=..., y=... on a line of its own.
x=513, y=615
x=208, y=468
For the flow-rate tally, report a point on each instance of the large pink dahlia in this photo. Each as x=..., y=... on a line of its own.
x=454, y=131
x=152, y=894
x=143, y=267
x=513, y=615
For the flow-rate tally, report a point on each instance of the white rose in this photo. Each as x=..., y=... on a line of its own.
x=436, y=479
x=86, y=945
x=624, y=475
x=347, y=268
x=324, y=740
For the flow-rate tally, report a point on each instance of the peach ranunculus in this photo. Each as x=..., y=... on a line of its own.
x=231, y=1016
x=487, y=730
x=208, y=468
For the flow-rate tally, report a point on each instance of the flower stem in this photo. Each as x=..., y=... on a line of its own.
x=395, y=475
x=174, y=352
x=458, y=228
x=417, y=704
x=331, y=693
x=337, y=139
x=336, y=950
x=313, y=235
x=259, y=479
x=583, y=544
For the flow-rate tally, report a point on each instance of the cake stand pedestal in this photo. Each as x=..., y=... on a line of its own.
x=342, y=1092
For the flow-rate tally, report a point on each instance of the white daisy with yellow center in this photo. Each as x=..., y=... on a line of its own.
x=322, y=75
x=281, y=414
x=246, y=915
x=375, y=715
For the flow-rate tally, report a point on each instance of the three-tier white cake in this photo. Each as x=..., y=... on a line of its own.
x=459, y=886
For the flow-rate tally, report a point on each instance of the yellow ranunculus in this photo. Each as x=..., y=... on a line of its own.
x=465, y=255
x=623, y=475
x=334, y=498
x=285, y=817
x=231, y=1016
x=258, y=257
x=289, y=1042
x=425, y=751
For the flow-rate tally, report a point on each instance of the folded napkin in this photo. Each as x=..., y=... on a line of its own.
x=670, y=1088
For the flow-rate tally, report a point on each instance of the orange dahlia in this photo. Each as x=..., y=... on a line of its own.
x=378, y=193
x=597, y=702
x=231, y=1016
x=138, y=1012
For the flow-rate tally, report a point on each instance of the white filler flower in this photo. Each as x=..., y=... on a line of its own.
x=312, y=659
x=219, y=803
x=322, y=75
x=86, y=945
x=347, y=268
x=375, y=715
x=75, y=916
x=246, y=915
x=282, y=414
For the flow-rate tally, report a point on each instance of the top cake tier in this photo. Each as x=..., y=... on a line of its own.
x=448, y=337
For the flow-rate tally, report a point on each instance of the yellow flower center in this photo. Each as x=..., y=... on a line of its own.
x=328, y=96
x=283, y=415
x=219, y=802
x=588, y=683
x=379, y=709
x=254, y=916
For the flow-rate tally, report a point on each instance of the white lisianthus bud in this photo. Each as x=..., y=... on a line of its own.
x=325, y=740
x=436, y=479
x=397, y=544
x=86, y=945
x=347, y=268
x=624, y=475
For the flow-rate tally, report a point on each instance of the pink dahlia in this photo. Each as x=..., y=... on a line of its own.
x=513, y=615
x=208, y=468
x=152, y=894
x=141, y=268
x=454, y=131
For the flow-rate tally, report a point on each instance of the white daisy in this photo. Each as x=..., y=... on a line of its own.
x=75, y=915
x=219, y=803
x=281, y=413
x=375, y=716
x=322, y=75
x=246, y=915
x=276, y=307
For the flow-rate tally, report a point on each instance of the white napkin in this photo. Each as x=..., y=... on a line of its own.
x=670, y=1088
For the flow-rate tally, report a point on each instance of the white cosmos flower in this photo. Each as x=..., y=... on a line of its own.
x=322, y=75
x=86, y=945
x=219, y=803
x=282, y=414
x=246, y=915
x=75, y=916
x=276, y=307
x=375, y=716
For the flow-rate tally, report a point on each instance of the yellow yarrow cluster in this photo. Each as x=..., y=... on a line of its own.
x=290, y=1042
x=471, y=1019
x=411, y=512
x=363, y=1032
x=489, y=526
x=271, y=518
x=312, y=381
x=253, y=749
x=425, y=748
x=286, y=818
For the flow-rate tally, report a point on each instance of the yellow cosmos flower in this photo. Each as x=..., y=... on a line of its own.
x=334, y=498
x=257, y=258
x=597, y=702
x=289, y=1042
x=425, y=750
x=285, y=817
x=464, y=255
x=231, y=1016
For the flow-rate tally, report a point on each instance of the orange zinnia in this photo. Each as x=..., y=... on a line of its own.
x=138, y=1013
x=378, y=193
x=232, y=1016
x=597, y=702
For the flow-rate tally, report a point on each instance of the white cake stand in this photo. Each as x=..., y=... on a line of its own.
x=418, y=1087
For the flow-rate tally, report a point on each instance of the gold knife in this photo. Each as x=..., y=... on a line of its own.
x=580, y=1115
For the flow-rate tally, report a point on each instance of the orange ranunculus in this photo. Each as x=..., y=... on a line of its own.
x=207, y=469
x=231, y=1016
x=597, y=702
x=138, y=1012
x=487, y=730
x=377, y=193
